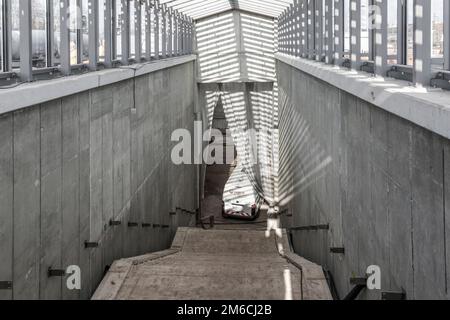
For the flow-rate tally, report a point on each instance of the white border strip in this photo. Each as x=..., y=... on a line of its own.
x=34, y=93
x=426, y=107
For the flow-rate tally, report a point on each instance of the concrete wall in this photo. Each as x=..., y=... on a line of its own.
x=381, y=182
x=69, y=166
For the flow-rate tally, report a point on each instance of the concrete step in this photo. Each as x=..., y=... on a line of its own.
x=216, y=265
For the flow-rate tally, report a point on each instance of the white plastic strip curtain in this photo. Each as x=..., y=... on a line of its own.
x=209, y=93
x=235, y=105
x=263, y=113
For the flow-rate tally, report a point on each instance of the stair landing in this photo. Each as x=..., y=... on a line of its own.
x=216, y=265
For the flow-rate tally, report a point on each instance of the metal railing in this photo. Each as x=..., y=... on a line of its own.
x=372, y=35
x=43, y=37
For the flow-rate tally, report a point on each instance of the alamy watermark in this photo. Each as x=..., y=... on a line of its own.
x=214, y=147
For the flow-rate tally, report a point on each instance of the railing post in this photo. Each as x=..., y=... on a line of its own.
x=7, y=33
x=329, y=32
x=355, y=33
x=381, y=38
x=156, y=36
x=422, y=42
x=50, y=32
x=175, y=34
x=311, y=30
x=137, y=31
x=280, y=33
x=304, y=28
x=170, y=33
x=108, y=26
x=447, y=34
x=292, y=30
x=148, y=30
x=319, y=29
x=191, y=43
x=26, y=63
x=125, y=32
x=65, y=37
x=164, y=31
x=297, y=28
x=93, y=33
x=401, y=32
x=338, y=32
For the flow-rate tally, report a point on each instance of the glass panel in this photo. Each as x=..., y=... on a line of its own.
x=101, y=30
x=15, y=35
x=132, y=29
x=410, y=33
x=39, y=33
x=365, y=30
x=392, y=45
x=56, y=33
x=437, y=23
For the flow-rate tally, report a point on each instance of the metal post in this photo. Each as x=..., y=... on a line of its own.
x=183, y=35
x=297, y=38
x=303, y=29
x=329, y=32
x=311, y=29
x=422, y=42
x=355, y=33
x=180, y=34
x=164, y=31
x=381, y=66
x=79, y=31
x=339, y=32
x=7, y=36
x=447, y=34
x=291, y=29
x=50, y=33
x=137, y=31
x=125, y=32
x=401, y=32
x=156, y=37
x=175, y=34
x=148, y=30
x=319, y=29
x=93, y=33
x=65, y=37
x=280, y=33
x=169, y=32
x=191, y=41
x=26, y=69
x=108, y=26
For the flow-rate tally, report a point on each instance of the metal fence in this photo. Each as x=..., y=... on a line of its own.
x=45, y=37
x=404, y=39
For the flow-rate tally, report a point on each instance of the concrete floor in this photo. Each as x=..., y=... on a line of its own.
x=210, y=265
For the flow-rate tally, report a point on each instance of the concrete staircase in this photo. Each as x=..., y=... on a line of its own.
x=217, y=265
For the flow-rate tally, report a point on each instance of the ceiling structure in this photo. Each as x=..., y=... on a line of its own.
x=198, y=9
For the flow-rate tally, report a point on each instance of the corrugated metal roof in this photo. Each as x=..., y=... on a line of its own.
x=198, y=9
